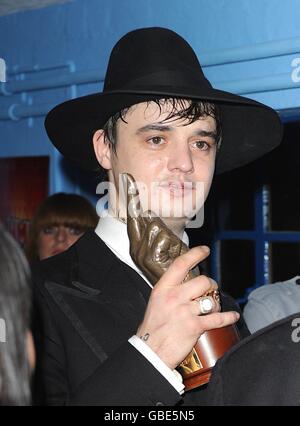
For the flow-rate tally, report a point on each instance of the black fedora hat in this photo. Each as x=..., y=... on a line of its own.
x=153, y=63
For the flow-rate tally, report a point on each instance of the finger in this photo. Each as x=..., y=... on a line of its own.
x=218, y=320
x=160, y=248
x=157, y=227
x=157, y=251
x=197, y=287
x=144, y=252
x=135, y=221
x=176, y=247
x=205, y=305
x=153, y=228
x=166, y=247
x=155, y=262
x=133, y=196
x=184, y=248
x=182, y=265
x=149, y=216
x=151, y=270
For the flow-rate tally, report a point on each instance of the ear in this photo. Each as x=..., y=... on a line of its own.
x=102, y=149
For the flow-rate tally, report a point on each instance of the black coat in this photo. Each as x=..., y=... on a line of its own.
x=88, y=304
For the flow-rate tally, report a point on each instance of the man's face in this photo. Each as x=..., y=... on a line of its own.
x=171, y=160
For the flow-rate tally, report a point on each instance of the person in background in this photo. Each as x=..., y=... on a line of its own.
x=17, y=354
x=58, y=223
x=272, y=302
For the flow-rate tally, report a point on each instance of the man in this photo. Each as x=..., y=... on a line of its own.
x=110, y=338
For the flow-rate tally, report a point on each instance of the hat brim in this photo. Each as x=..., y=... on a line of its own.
x=249, y=128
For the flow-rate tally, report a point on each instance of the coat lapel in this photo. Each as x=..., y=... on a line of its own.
x=100, y=287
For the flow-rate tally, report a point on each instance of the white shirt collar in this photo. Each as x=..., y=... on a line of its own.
x=114, y=234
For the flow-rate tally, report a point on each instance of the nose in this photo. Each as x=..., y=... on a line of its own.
x=181, y=158
x=61, y=235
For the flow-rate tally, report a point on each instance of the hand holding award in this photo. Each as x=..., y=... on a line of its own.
x=154, y=248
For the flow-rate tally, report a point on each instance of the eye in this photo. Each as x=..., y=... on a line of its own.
x=156, y=140
x=49, y=230
x=202, y=145
x=75, y=231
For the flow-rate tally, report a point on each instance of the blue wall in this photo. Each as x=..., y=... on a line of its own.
x=257, y=40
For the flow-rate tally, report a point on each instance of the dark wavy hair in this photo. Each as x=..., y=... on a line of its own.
x=187, y=109
x=15, y=306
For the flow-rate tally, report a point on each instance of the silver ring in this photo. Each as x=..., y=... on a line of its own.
x=206, y=305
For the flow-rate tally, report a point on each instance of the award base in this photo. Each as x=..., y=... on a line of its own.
x=197, y=379
x=212, y=345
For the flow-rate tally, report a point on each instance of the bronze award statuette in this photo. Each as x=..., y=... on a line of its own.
x=153, y=260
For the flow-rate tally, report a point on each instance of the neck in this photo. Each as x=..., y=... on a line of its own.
x=176, y=226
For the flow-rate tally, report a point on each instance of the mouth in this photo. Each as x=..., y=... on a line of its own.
x=177, y=188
